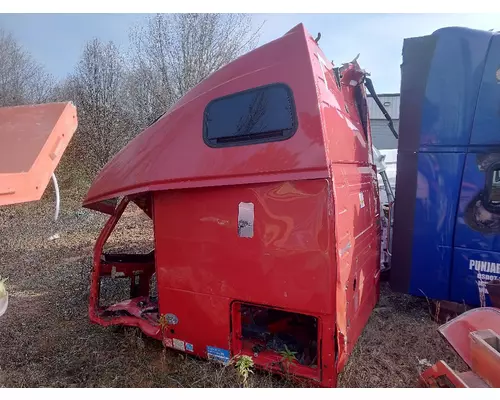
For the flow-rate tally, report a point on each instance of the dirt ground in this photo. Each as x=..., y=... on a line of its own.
x=46, y=339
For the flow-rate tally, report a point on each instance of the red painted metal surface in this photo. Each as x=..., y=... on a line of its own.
x=440, y=375
x=198, y=249
x=315, y=247
x=103, y=315
x=457, y=331
x=156, y=159
x=203, y=265
x=32, y=141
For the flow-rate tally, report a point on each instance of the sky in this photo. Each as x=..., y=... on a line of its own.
x=57, y=40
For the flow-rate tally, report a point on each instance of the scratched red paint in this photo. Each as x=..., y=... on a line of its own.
x=315, y=244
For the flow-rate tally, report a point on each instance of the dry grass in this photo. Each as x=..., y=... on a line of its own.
x=47, y=340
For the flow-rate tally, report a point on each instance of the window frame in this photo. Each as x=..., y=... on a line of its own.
x=494, y=209
x=259, y=140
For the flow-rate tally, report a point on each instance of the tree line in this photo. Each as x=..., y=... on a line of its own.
x=120, y=92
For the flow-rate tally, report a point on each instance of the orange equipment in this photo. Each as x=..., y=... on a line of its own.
x=32, y=140
x=475, y=337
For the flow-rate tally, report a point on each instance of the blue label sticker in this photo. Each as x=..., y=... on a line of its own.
x=189, y=347
x=216, y=354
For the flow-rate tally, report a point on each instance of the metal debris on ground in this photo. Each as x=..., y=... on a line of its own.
x=55, y=236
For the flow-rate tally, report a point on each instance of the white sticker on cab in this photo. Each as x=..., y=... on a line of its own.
x=245, y=220
x=179, y=344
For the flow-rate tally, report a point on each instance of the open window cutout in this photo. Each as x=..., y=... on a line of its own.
x=128, y=261
x=290, y=336
x=133, y=234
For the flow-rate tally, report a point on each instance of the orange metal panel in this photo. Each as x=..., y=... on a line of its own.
x=475, y=337
x=485, y=355
x=472, y=380
x=32, y=141
x=457, y=331
x=441, y=375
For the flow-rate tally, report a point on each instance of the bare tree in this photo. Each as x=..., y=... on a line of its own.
x=142, y=97
x=96, y=88
x=22, y=79
x=174, y=52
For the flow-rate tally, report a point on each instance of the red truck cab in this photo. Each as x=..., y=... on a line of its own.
x=263, y=194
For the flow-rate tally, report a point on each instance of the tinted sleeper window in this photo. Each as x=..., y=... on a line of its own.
x=495, y=187
x=254, y=116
